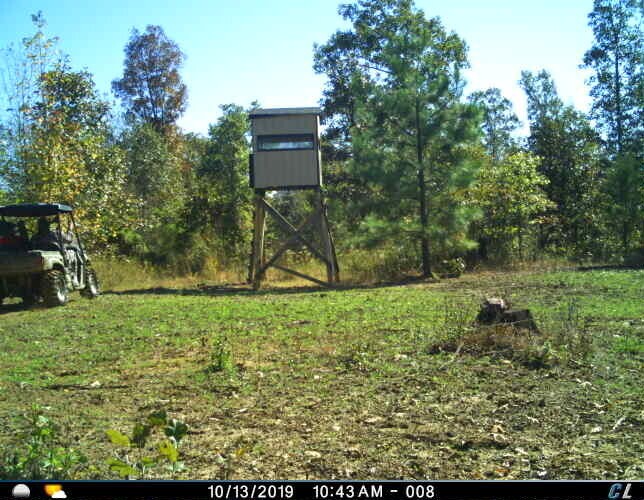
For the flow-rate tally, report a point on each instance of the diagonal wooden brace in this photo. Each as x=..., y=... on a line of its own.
x=285, y=246
x=316, y=221
x=296, y=232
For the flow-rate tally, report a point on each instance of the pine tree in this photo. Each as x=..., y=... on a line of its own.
x=395, y=83
x=499, y=121
x=617, y=58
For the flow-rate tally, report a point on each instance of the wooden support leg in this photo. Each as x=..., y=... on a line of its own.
x=251, y=261
x=258, y=241
x=336, y=267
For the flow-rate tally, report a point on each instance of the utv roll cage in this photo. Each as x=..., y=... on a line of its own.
x=31, y=210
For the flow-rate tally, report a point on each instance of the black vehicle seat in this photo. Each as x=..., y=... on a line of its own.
x=45, y=242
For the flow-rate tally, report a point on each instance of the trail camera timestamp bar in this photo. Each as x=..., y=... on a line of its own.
x=324, y=490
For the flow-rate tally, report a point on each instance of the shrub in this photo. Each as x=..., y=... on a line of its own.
x=131, y=460
x=221, y=358
x=44, y=455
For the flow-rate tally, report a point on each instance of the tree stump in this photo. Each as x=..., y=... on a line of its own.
x=495, y=311
x=491, y=311
x=520, y=318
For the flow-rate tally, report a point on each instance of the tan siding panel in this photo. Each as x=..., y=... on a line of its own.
x=286, y=168
x=297, y=124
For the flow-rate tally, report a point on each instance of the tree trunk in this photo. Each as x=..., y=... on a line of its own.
x=422, y=193
x=618, y=89
x=618, y=105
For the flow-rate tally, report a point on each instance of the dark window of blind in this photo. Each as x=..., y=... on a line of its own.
x=284, y=142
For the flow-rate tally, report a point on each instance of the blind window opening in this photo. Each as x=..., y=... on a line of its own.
x=284, y=142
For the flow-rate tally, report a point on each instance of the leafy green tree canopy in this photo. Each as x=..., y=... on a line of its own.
x=512, y=197
x=225, y=192
x=395, y=81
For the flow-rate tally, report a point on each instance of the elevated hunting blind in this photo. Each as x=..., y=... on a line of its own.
x=286, y=156
x=286, y=148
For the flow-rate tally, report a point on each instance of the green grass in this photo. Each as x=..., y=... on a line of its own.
x=312, y=383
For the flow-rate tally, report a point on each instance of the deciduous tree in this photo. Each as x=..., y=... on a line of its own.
x=224, y=195
x=20, y=76
x=569, y=150
x=156, y=180
x=511, y=195
x=151, y=87
x=70, y=158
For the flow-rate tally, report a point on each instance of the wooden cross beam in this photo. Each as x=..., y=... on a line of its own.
x=288, y=227
x=258, y=266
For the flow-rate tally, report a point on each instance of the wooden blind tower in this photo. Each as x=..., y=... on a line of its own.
x=286, y=156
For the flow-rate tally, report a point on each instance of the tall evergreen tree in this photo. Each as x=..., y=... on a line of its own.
x=617, y=58
x=624, y=185
x=544, y=102
x=395, y=78
x=499, y=121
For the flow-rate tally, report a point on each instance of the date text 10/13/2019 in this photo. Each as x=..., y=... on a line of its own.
x=321, y=491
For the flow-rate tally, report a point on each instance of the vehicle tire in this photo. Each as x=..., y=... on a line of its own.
x=54, y=288
x=92, y=288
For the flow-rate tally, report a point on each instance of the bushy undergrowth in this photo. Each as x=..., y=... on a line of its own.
x=561, y=339
x=39, y=451
x=137, y=457
x=356, y=267
x=118, y=273
x=384, y=264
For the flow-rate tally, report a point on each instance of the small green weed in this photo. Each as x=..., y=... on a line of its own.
x=454, y=323
x=132, y=462
x=570, y=335
x=356, y=357
x=221, y=357
x=44, y=455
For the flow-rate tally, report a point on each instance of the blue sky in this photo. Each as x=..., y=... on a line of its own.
x=245, y=50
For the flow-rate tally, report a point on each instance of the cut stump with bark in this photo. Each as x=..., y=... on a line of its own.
x=496, y=311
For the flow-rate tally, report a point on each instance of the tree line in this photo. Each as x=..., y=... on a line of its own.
x=413, y=167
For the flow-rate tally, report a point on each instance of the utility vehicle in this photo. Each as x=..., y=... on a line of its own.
x=38, y=263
